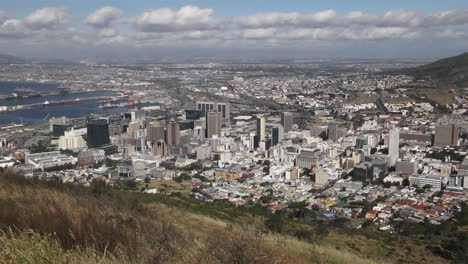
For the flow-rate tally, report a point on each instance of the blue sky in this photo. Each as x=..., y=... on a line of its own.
x=340, y=28
x=237, y=7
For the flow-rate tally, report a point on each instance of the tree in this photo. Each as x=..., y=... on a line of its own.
x=147, y=180
x=99, y=187
x=405, y=182
x=127, y=185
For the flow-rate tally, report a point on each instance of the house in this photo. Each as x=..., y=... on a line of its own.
x=371, y=214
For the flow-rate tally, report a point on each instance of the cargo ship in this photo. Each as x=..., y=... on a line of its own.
x=46, y=103
x=132, y=104
x=108, y=106
x=14, y=96
x=81, y=100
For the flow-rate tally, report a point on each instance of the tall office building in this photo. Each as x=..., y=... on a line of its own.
x=155, y=131
x=98, y=133
x=276, y=135
x=213, y=124
x=132, y=128
x=287, y=121
x=446, y=135
x=393, y=146
x=160, y=148
x=333, y=131
x=173, y=133
x=223, y=108
x=138, y=115
x=261, y=128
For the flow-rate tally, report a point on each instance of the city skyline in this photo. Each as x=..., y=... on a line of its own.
x=364, y=29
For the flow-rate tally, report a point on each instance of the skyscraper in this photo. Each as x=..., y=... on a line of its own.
x=261, y=128
x=287, y=121
x=333, y=131
x=213, y=125
x=155, y=131
x=160, y=148
x=446, y=135
x=223, y=108
x=393, y=146
x=98, y=133
x=173, y=133
x=276, y=135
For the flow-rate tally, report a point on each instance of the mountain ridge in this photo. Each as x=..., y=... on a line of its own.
x=448, y=71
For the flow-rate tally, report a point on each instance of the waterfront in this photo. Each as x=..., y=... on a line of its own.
x=40, y=114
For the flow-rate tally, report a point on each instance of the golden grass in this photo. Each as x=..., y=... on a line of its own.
x=364, y=99
x=171, y=185
x=439, y=95
x=57, y=223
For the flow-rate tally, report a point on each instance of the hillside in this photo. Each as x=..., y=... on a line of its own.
x=51, y=222
x=452, y=70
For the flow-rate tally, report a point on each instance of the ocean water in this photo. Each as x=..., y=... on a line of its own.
x=41, y=114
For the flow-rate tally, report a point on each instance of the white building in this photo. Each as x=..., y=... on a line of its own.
x=49, y=159
x=71, y=141
x=393, y=146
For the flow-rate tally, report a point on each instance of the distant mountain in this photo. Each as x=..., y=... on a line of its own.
x=452, y=70
x=8, y=59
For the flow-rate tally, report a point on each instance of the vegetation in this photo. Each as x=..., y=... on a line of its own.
x=39, y=148
x=51, y=222
x=67, y=166
x=100, y=224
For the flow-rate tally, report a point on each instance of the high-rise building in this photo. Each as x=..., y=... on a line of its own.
x=71, y=141
x=361, y=142
x=213, y=124
x=160, y=148
x=276, y=135
x=97, y=133
x=287, y=121
x=333, y=131
x=393, y=146
x=138, y=115
x=223, y=108
x=132, y=128
x=261, y=128
x=155, y=131
x=59, y=130
x=446, y=135
x=173, y=133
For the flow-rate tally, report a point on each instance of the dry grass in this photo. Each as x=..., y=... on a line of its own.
x=399, y=251
x=68, y=219
x=51, y=222
x=364, y=99
x=397, y=100
x=440, y=95
x=171, y=185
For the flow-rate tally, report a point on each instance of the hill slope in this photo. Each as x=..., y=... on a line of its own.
x=51, y=222
x=452, y=70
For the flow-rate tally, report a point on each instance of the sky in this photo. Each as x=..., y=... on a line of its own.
x=300, y=29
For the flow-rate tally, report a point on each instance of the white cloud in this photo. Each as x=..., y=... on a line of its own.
x=47, y=18
x=192, y=25
x=451, y=33
x=12, y=28
x=268, y=19
x=449, y=17
x=104, y=17
x=185, y=19
x=3, y=17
